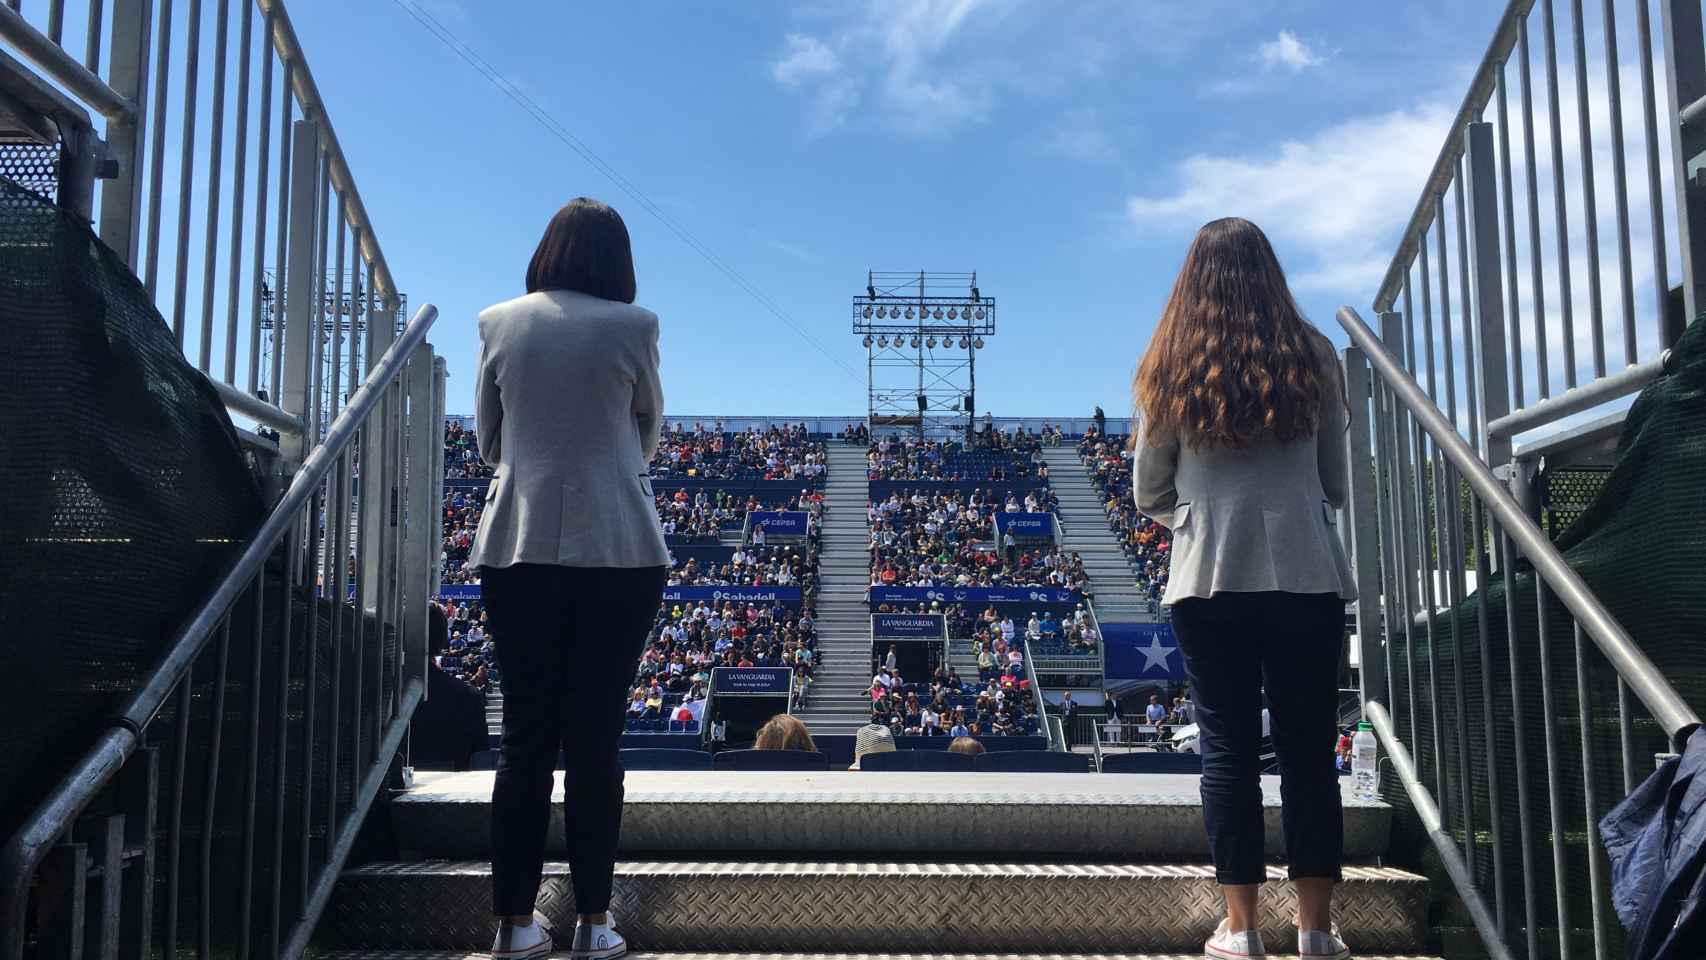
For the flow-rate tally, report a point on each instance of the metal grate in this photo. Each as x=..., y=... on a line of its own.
x=33, y=166
x=1566, y=494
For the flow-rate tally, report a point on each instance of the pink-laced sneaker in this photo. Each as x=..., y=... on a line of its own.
x=1226, y=945
x=1322, y=944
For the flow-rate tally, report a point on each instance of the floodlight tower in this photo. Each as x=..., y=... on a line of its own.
x=922, y=332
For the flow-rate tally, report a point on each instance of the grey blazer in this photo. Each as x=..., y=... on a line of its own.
x=568, y=406
x=1261, y=518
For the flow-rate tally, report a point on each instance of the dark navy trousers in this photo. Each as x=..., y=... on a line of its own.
x=1236, y=647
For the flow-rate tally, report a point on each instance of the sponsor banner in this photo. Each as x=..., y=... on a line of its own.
x=787, y=595
x=468, y=483
x=1025, y=526
x=751, y=681
x=779, y=523
x=459, y=591
x=974, y=595
x=1141, y=652
x=909, y=626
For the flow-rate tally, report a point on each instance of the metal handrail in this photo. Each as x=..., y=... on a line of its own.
x=63, y=67
x=1039, y=703
x=1475, y=101
x=1427, y=811
x=1631, y=663
x=26, y=848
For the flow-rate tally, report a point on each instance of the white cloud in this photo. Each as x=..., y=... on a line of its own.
x=901, y=55
x=1287, y=50
x=1334, y=196
x=805, y=57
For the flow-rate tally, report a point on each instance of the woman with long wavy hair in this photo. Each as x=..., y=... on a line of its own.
x=1240, y=450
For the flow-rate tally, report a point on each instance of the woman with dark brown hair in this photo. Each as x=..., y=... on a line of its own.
x=1240, y=450
x=571, y=557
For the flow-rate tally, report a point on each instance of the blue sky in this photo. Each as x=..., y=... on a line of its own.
x=1066, y=152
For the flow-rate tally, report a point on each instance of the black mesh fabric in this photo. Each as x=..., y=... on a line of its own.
x=125, y=490
x=1637, y=536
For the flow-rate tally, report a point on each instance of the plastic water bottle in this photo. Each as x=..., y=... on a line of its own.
x=1365, y=778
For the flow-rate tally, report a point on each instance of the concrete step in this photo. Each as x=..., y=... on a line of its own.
x=930, y=907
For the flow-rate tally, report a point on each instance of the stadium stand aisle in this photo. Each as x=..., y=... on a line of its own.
x=1084, y=530
x=840, y=700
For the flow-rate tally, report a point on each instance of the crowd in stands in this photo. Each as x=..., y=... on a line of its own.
x=993, y=455
x=462, y=453
x=1147, y=544
x=947, y=538
x=699, y=516
x=996, y=704
x=710, y=453
x=471, y=656
x=462, y=508
x=856, y=433
x=687, y=641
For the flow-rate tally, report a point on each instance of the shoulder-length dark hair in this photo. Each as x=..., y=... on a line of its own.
x=1232, y=359
x=585, y=248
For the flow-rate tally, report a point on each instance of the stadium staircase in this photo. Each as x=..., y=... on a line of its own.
x=1084, y=531
x=839, y=701
x=910, y=864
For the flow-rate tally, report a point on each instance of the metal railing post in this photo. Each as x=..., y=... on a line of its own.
x=121, y=195
x=1487, y=287
x=441, y=373
x=1685, y=77
x=422, y=497
x=1363, y=533
x=301, y=313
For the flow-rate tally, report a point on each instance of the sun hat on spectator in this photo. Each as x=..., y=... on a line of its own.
x=871, y=738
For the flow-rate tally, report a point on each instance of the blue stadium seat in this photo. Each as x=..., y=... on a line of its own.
x=920, y=760
x=771, y=760
x=648, y=758
x=1152, y=762
x=1033, y=761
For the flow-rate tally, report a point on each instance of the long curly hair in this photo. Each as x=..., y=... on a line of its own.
x=1232, y=360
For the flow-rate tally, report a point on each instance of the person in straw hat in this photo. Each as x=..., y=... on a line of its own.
x=871, y=738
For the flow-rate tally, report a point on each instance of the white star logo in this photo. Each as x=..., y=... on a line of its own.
x=1155, y=655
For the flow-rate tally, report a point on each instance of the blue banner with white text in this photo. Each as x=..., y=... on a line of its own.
x=909, y=626
x=1051, y=595
x=1025, y=526
x=751, y=681
x=779, y=523
x=459, y=591
x=787, y=595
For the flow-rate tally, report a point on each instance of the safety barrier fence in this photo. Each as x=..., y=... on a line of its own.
x=217, y=806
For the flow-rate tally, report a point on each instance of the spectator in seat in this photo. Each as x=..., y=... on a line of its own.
x=871, y=738
x=568, y=398
x=784, y=732
x=966, y=745
x=1245, y=468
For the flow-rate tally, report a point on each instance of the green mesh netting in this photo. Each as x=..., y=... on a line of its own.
x=124, y=489
x=1637, y=536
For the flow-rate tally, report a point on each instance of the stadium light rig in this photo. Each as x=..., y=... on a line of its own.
x=901, y=319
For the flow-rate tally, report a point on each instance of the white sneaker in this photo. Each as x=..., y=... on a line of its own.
x=598, y=941
x=1226, y=945
x=1322, y=944
x=523, y=943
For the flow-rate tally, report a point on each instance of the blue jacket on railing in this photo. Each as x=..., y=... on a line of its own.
x=1656, y=840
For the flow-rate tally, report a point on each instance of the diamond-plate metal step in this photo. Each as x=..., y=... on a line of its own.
x=782, y=815
x=466, y=955
x=921, y=907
